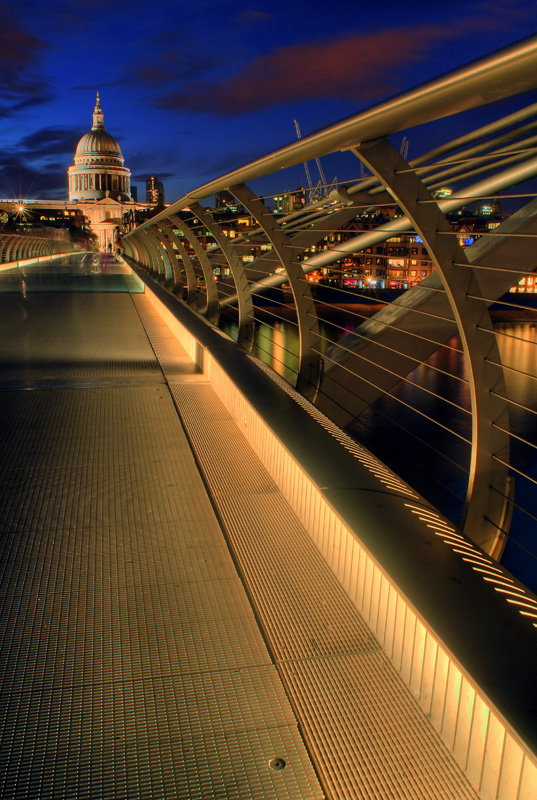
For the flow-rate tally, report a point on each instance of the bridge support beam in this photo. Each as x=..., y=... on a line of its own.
x=177, y=280
x=212, y=307
x=242, y=285
x=309, y=369
x=159, y=240
x=156, y=259
x=488, y=481
x=186, y=262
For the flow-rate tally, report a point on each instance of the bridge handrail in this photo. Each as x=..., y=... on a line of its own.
x=488, y=689
x=451, y=620
x=500, y=75
x=18, y=249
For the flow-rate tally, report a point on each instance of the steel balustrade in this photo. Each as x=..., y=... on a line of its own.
x=387, y=355
x=346, y=390
x=17, y=247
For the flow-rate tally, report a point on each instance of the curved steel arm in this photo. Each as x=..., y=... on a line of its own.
x=212, y=310
x=485, y=507
x=186, y=262
x=147, y=255
x=309, y=369
x=242, y=285
x=152, y=241
x=159, y=241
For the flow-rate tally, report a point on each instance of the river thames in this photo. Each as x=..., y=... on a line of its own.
x=417, y=430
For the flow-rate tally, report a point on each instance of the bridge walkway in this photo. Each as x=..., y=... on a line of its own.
x=167, y=627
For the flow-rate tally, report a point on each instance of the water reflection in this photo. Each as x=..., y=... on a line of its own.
x=276, y=345
x=423, y=430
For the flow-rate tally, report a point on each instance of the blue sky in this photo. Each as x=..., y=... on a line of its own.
x=193, y=90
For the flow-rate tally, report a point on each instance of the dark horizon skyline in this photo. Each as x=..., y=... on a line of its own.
x=193, y=94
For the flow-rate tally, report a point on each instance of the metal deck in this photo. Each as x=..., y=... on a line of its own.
x=158, y=642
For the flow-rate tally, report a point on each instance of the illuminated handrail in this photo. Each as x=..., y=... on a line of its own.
x=451, y=620
x=349, y=377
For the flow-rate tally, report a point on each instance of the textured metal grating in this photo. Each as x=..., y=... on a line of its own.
x=143, y=750
x=80, y=335
x=368, y=737
x=131, y=664
x=172, y=358
x=393, y=752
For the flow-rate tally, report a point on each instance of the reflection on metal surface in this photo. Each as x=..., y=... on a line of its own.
x=403, y=320
x=379, y=355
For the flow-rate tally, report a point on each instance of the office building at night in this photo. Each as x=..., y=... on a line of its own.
x=154, y=190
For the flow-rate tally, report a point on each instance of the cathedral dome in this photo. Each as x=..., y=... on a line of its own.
x=99, y=170
x=98, y=142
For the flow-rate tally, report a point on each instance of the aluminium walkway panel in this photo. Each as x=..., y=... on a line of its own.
x=131, y=663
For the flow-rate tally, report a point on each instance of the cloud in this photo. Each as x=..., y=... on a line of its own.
x=161, y=162
x=252, y=16
x=496, y=15
x=50, y=141
x=219, y=164
x=174, y=66
x=141, y=177
x=20, y=52
x=358, y=67
x=165, y=63
x=19, y=180
x=37, y=167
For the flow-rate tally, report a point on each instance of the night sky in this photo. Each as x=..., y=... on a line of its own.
x=192, y=90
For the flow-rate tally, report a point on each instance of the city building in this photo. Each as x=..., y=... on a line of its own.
x=225, y=201
x=287, y=202
x=399, y=262
x=100, y=195
x=154, y=190
x=46, y=218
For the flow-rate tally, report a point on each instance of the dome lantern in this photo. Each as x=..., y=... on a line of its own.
x=98, y=117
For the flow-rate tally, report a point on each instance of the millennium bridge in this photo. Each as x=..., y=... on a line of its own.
x=215, y=583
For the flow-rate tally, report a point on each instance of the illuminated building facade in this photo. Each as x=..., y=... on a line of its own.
x=288, y=202
x=100, y=198
x=225, y=201
x=154, y=190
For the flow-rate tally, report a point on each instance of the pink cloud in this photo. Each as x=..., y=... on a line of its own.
x=359, y=67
